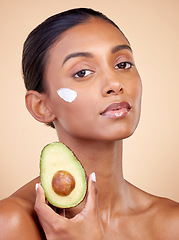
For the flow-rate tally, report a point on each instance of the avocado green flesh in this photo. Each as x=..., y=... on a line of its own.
x=55, y=157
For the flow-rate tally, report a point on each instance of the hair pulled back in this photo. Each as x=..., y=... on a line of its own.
x=42, y=38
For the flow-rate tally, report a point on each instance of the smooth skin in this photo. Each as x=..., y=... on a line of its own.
x=103, y=72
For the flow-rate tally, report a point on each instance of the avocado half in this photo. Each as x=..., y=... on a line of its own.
x=62, y=176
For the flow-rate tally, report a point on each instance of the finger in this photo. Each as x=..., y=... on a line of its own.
x=92, y=196
x=40, y=195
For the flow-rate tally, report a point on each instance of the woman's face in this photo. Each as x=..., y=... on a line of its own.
x=95, y=60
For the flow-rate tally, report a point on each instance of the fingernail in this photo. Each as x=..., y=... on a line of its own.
x=36, y=186
x=93, y=177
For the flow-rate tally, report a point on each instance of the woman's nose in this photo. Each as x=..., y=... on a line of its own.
x=112, y=85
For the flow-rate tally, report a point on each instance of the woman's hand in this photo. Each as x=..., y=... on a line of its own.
x=84, y=226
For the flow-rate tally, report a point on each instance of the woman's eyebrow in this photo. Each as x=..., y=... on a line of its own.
x=77, y=54
x=90, y=55
x=121, y=47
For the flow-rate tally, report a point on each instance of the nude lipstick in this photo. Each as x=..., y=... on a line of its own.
x=117, y=110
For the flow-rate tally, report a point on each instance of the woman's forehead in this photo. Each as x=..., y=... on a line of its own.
x=88, y=36
x=98, y=28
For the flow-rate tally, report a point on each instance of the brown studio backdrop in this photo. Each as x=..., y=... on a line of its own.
x=151, y=155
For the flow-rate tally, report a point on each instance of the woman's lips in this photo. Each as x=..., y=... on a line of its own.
x=117, y=110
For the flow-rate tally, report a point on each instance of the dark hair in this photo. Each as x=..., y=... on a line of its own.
x=41, y=39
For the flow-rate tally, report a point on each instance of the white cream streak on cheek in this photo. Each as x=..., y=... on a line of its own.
x=67, y=94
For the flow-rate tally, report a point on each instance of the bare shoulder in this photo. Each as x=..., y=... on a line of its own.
x=18, y=219
x=166, y=214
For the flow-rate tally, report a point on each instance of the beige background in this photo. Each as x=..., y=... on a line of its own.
x=151, y=155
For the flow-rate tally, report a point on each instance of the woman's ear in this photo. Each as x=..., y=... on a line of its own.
x=37, y=106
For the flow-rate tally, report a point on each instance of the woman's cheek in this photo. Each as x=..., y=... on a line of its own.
x=68, y=95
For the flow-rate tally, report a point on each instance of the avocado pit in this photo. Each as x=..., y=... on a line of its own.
x=63, y=183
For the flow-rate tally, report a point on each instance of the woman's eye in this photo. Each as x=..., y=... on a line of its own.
x=124, y=65
x=82, y=73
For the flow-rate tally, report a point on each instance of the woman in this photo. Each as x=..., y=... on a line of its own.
x=85, y=53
